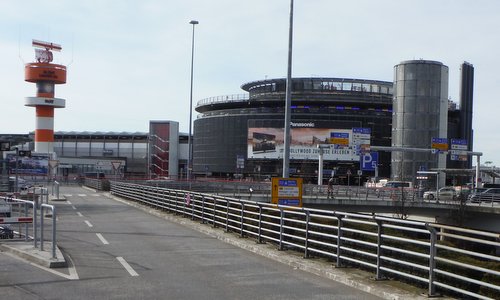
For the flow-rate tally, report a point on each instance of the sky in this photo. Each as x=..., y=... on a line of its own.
x=129, y=61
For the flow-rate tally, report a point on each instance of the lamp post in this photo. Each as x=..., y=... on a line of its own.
x=190, y=146
x=288, y=100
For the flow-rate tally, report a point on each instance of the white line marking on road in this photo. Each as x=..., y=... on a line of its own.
x=79, y=214
x=68, y=195
x=69, y=202
x=74, y=207
x=88, y=224
x=95, y=195
x=103, y=240
x=127, y=267
x=82, y=195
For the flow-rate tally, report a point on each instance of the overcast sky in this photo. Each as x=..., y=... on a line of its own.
x=129, y=61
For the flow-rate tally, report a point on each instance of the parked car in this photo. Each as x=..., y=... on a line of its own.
x=6, y=232
x=487, y=195
x=444, y=193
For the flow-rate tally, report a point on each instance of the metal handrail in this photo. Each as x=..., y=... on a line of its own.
x=37, y=232
x=406, y=249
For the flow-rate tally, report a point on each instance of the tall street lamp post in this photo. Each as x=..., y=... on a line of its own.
x=288, y=100
x=190, y=146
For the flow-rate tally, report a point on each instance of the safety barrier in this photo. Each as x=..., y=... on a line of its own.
x=98, y=184
x=443, y=259
x=21, y=210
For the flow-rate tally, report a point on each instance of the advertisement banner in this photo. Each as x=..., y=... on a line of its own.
x=267, y=143
x=37, y=164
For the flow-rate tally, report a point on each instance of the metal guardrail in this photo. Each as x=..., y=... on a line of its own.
x=98, y=184
x=23, y=208
x=443, y=259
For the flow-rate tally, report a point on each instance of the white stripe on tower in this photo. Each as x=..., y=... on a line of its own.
x=44, y=131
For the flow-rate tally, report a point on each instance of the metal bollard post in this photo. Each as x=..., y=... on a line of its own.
x=41, y=227
x=54, y=238
x=35, y=221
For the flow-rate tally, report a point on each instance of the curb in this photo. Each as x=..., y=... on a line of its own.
x=28, y=252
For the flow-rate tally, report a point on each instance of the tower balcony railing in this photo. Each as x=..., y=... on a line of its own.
x=224, y=99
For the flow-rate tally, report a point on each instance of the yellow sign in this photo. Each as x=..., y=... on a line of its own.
x=286, y=191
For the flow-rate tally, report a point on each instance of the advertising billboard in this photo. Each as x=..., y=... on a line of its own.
x=37, y=164
x=267, y=142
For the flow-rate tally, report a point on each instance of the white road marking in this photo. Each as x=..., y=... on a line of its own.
x=82, y=195
x=68, y=195
x=72, y=206
x=88, y=224
x=79, y=214
x=95, y=195
x=127, y=267
x=69, y=202
x=103, y=240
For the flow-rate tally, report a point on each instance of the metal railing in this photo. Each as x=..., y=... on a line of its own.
x=36, y=209
x=442, y=259
x=98, y=184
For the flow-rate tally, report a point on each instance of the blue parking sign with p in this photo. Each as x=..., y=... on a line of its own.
x=369, y=161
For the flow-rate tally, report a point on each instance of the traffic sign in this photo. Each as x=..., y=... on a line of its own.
x=440, y=144
x=369, y=161
x=116, y=165
x=286, y=191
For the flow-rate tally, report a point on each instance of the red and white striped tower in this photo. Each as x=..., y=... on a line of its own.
x=46, y=75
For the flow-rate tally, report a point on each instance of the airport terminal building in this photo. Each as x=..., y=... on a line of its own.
x=241, y=136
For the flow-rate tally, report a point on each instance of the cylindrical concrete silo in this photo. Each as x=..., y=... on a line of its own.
x=420, y=113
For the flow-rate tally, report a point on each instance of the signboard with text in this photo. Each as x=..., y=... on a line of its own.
x=286, y=191
x=458, y=150
x=369, y=161
x=440, y=144
x=344, y=144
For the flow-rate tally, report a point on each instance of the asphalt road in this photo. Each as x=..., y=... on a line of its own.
x=120, y=252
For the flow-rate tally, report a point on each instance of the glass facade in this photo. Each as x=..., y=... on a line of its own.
x=85, y=149
x=421, y=88
x=221, y=130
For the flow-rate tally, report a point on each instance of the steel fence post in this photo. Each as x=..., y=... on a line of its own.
x=339, y=241
x=259, y=237
x=432, y=261
x=379, y=249
x=242, y=218
x=306, y=246
x=282, y=222
x=227, y=215
x=213, y=211
x=192, y=203
x=203, y=209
